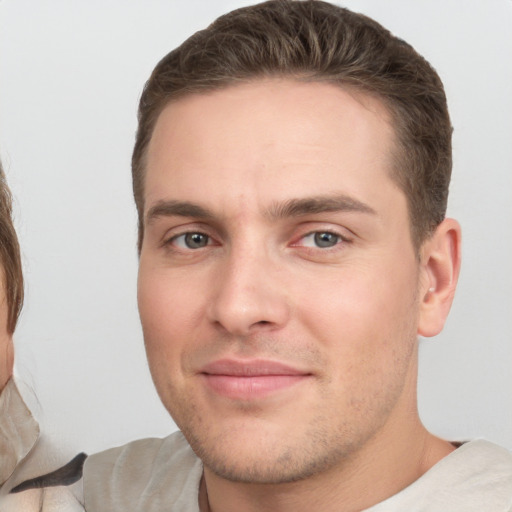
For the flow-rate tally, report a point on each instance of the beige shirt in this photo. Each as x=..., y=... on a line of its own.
x=22, y=457
x=18, y=430
x=163, y=475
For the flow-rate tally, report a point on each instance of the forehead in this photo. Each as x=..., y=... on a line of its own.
x=267, y=140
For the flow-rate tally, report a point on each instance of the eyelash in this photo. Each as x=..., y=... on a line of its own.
x=170, y=242
x=340, y=240
x=315, y=235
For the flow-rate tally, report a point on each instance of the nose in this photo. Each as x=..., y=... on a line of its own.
x=248, y=295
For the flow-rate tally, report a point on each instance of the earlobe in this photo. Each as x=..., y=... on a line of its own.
x=440, y=265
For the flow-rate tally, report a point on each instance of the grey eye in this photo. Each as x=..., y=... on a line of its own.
x=326, y=239
x=195, y=240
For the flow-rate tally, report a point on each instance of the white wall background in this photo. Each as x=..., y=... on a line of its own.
x=70, y=77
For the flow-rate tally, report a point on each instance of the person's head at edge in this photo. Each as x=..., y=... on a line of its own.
x=11, y=281
x=291, y=174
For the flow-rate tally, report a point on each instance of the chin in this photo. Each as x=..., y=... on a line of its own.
x=263, y=458
x=269, y=469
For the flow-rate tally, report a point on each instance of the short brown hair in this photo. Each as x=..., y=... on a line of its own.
x=10, y=258
x=317, y=41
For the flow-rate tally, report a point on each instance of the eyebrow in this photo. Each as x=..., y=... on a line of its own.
x=174, y=208
x=318, y=204
x=286, y=209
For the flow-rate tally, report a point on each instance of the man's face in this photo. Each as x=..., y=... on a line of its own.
x=278, y=283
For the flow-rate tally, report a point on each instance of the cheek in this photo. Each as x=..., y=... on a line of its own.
x=363, y=317
x=369, y=346
x=350, y=302
x=169, y=312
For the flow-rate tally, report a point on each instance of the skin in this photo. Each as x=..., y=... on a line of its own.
x=6, y=343
x=263, y=284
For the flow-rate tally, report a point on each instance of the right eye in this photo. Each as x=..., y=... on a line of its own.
x=191, y=240
x=322, y=239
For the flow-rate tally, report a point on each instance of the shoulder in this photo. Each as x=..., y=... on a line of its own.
x=24, y=457
x=143, y=458
x=143, y=475
x=476, y=477
x=19, y=430
x=55, y=489
x=488, y=463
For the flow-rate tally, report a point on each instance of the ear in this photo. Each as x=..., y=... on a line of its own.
x=440, y=265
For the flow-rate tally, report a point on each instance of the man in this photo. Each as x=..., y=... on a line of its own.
x=21, y=456
x=291, y=175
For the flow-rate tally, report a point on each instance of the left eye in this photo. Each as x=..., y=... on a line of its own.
x=191, y=240
x=322, y=239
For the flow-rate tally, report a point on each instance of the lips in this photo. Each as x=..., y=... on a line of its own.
x=249, y=380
